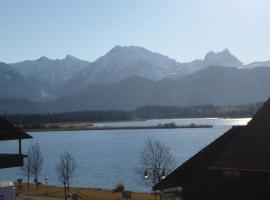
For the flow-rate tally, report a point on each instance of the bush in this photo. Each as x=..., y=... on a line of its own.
x=170, y=125
x=192, y=125
x=119, y=187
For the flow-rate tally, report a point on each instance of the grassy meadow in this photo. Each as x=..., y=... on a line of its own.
x=84, y=193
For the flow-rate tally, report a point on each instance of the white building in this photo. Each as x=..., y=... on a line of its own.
x=7, y=190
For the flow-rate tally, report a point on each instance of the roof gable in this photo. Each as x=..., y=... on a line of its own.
x=250, y=150
x=261, y=120
x=199, y=161
x=10, y=132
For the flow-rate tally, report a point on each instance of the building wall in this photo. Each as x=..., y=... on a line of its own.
x=7, y=193
x=244, y=186
x=218, y=185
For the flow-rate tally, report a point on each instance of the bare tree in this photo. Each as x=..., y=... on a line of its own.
x=26, y=169
x=65, y=170
x=156, y=162
x=36, y=161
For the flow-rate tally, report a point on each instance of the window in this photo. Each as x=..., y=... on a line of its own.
x=2, y=197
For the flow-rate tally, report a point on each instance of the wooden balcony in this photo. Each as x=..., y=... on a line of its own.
x=11, y=160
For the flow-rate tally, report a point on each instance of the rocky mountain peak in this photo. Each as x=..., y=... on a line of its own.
x=70, y=57
x=223, y=58
x=43, y=58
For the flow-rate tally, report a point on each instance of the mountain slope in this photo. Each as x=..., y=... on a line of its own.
x=20, y=105
x=50, y=74
x=129, y=77
x=13, y=84
x=226, y=86
x=105, y=97
x=213, y=85
x=258, y=64
x=121, y=63
x=223, y=58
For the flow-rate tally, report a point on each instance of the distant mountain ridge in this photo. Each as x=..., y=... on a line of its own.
x=223, y=58
x=128, y=77
x=123, y=62
x=258, y=64
x=211, y=86
x=50, y=74
x=14, y=85
x=61, y=77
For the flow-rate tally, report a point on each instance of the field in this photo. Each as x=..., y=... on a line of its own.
x=84, y=193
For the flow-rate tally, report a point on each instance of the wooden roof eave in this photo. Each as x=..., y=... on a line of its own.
x=171, y=181
x=11, y=160
x=10, y=132
x=10, y=136
x=240, y=169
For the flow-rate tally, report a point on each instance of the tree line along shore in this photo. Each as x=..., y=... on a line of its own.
x=38, y=121
x=85, y=126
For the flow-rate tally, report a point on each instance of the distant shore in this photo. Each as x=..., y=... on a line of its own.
x=84, y=126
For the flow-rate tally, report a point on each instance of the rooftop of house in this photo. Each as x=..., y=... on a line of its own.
x=250, y=149
x=10, y=132
x=244, y=148
x=6, y=184
x=210, y=153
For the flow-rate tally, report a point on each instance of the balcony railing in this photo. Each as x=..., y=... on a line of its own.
x=11, y=160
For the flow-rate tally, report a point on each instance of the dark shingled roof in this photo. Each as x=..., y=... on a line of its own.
x=250, y=150
x=261, y=119
x=199, y=161
x=10, y=132
x=245, y=148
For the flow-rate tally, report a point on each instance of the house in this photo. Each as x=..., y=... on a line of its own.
x=7, y=190
x=234, y=166
x=10, y=132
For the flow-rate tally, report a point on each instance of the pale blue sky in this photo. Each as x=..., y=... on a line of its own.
x=182, y=29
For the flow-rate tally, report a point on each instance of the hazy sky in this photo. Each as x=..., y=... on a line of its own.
x=181, y=29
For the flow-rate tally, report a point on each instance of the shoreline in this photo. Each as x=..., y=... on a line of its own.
x=89, y=193
x=84, y=128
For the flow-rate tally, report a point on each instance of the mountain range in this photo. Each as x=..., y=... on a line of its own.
x=50, y=75
x=13, y=84
x=129, y=77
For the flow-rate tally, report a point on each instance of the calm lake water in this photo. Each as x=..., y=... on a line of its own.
x=107, y=157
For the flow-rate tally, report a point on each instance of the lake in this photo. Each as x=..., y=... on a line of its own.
x=108, y=157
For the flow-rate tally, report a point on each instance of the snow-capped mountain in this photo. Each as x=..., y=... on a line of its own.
x=124, y=62
x=60, y=77
x=50, y=74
